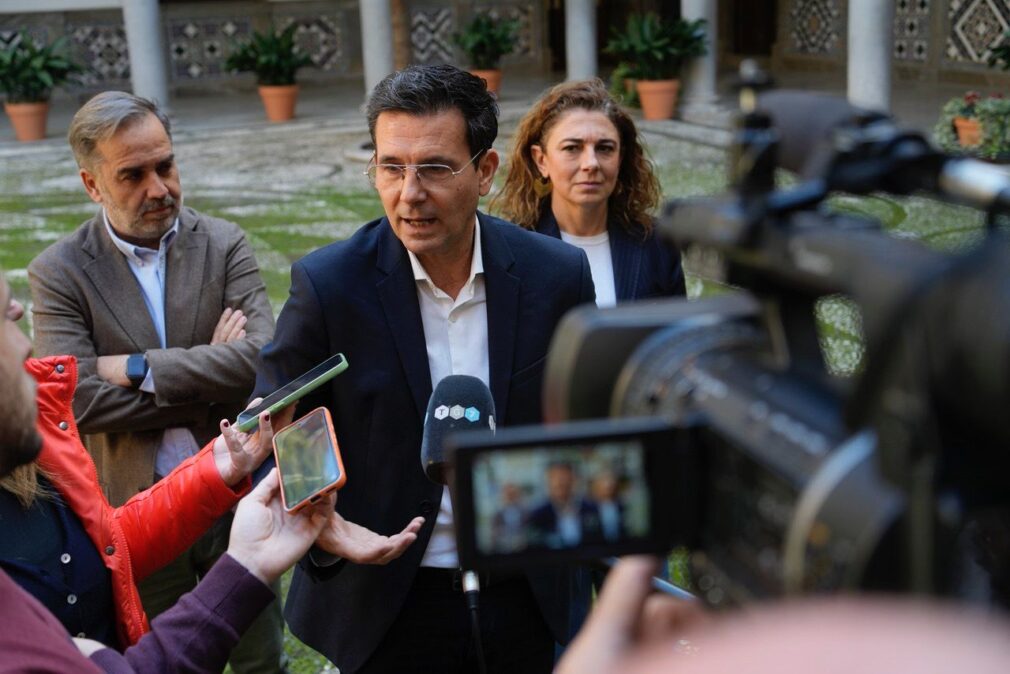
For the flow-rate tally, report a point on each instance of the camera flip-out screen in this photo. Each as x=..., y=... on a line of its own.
x=580, y=490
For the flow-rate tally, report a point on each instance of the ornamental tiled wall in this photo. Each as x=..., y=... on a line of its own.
x=912, y=30
x=198, y=38
x=973, y=27
x=815, y=27
x=433, y=22
x=942, y=39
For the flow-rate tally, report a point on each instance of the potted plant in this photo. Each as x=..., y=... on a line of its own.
x=28, y=74
x=485, y=40
x=275, y=59
x=977, y=125
x=658, y=49
x=624, y=77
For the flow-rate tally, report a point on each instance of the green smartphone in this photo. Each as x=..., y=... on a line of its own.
x=292, y=391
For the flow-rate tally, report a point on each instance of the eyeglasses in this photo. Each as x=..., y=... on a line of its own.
x=389, y=175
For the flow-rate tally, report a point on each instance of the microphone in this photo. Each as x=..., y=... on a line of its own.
x=458, y=403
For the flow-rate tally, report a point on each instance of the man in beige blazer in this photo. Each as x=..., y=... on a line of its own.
x=166, y=312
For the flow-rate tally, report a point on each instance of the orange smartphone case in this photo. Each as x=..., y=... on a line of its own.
x=295, y=426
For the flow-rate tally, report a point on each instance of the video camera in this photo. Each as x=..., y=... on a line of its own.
x=724, y=427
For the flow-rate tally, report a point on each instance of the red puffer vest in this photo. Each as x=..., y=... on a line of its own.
x=148, y=531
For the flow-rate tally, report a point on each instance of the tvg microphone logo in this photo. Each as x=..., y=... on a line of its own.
x=471, y=414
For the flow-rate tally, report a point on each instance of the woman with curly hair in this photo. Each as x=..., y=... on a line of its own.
x=577, y=171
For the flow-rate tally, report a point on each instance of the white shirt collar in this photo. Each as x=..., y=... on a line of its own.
x=476, y=260
x=134, y=252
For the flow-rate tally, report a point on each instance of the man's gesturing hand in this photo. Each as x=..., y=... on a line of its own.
x=268, y=541
x=357, y=544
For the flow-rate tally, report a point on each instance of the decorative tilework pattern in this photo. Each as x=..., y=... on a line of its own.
x=198, y=47
x=975, y=26
x=911, y=30
x=319, y=37
x=815, y=26
x=13, y=30
x=431, y=35
x=103, y=51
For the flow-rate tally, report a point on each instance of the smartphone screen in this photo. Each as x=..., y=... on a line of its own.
x=308, y=459
x=293, y=390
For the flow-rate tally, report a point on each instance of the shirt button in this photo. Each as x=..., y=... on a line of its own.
x=65, y=558
x=110, y=549
x=64, y=425
x=60, y=368
x=71, y=599
x=452, y=318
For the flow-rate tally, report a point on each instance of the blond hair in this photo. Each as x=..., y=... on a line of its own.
x=23, y=482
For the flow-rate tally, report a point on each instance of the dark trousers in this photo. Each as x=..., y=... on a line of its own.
x=433, y=631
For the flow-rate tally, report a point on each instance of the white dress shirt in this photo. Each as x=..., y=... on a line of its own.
x=601, y=264
x=149, y=268
x=455, y=333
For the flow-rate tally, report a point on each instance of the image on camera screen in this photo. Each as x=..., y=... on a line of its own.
x=306, y=459
x=560, y=497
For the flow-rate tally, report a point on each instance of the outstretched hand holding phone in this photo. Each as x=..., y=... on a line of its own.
x=238, y=454
x=268, y=541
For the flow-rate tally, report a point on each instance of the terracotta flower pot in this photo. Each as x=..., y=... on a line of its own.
x=28, y=120
x=279, y=101
x=492, y=77
x=969, y=131
x=658, y=97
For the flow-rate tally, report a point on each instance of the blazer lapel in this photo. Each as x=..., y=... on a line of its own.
x=626, y=256
x=184, y=271
x=116, y=285
x=502, y=289
x=398, y=296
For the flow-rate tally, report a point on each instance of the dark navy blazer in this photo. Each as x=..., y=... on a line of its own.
x=359, y=297
x=643, y=268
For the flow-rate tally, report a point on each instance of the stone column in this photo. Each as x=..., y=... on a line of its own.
x=580, y=38
x=376, y=41
x=146, y=46
x=700, y=74
x=871, y=41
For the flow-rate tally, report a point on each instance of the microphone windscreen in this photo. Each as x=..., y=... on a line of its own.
x=804, y=121
x=458, y=403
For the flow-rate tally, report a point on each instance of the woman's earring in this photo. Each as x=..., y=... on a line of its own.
x=542, y=186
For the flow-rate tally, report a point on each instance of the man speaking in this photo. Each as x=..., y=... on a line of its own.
x=435, y=288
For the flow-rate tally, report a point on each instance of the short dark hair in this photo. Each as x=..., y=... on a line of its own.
x=430, y=89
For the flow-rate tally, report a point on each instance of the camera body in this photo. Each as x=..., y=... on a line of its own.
x=788, y=478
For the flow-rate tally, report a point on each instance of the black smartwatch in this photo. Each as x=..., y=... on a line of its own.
x=136, y=369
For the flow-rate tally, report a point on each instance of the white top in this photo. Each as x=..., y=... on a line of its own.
x=601, y=264
x=455, y=332
x=149, y=268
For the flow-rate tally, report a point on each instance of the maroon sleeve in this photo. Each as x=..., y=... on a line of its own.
x=197, y=634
